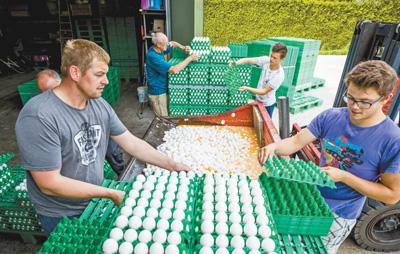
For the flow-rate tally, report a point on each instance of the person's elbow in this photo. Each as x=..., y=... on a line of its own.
x=48, y=189
x=393, y=199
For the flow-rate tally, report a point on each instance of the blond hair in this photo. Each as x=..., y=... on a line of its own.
x=373, y=74
x=81, y=53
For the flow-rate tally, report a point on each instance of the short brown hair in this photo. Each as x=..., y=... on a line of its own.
x=281, y=49
x=81, y=53
x=374, y=73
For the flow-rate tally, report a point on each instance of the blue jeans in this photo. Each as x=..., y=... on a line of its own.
x=270, y=109
x=49, y=223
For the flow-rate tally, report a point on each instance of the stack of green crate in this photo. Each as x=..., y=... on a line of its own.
x=123, y=48
x=92, y=30
x=198, y=74
x=28, y=90
x=180, y=78
x=204, y=55
x=217, y=72
x=220, y=55
x=112, y=92
x=219, y=96
x=198, y=95
x=302, y=102
x=200, y=43
x=238, y=49
x=178, y=95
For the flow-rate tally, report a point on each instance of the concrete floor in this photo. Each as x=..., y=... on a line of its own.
x=328, y=67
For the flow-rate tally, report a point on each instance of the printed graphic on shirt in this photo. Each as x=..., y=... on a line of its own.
x=339, y=153
x=87, y=140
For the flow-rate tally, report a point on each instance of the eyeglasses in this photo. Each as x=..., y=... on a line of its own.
x=360, y=104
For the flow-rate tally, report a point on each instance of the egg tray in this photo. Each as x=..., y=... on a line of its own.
x=297, y=170
x=297, y=208
x=293, y=244
x=196, y=44
x=199, y=210
x=5, y=157
x=109, y=173
x=197, y=249
x=75, y=236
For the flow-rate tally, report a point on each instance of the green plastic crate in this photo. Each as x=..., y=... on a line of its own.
x=28, y=90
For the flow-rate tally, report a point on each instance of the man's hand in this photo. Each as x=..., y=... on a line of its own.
x=232, y=63
x=181, y=167
x=187, y=49
x=266, y=153
x=243, y=88
x=194, y=57
x=117, y=197
x=337, y=175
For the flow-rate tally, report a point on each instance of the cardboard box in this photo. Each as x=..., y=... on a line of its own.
x=158, y=25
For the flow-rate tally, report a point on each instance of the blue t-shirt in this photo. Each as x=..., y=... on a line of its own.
x=157, y=70
x=364, y=152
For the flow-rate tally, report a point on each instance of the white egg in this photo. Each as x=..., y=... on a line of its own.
x=258, y=200
x=139, y=211
x=221, y=197
x=235, y=218
x=116, y=234
x=206, y=250
x=221, y=228
x=236, y=229
x=207, y=215
x=144, y=236
x=130, y=202
x=222, y=241
x=262, y=219
x=177, y=226
x=254, y=252
x=221, y=217
x=140, y=178
x=182, y=195
x=249, y=218
x=207, y=240
x=208, y=206
x=148, y=186
x=180, y=205
x=135, y=222
x=156, y=248
x=221, y=207
x=220, y=189
x=172, y=249
x=130, y=235
x=110, y=246
x=155, y=203
x=141, y=248
x=134, y=194
x=143, y=202
x=234, y=208
x=247, y=208
x=208, y=197
x=174, y=238
x=125, y=248
x=260, y=209
x=172, y=187
x=170, y=195
x=250, y=229
x=158, y=194
x=233, y=199
x=237, y=242
x=121, y=221
x=149, y=223
x=173, y=180
x=178, y=214
x=126, y=211
x=168, y=203
x=208, y=189
x=137, y=186
x=268, y=245
x=145, y=194
x=160, y=236
x=253, y=243
x=245, y=199
x=264, y=231
x=207, y=227
x=222, y=251
x=238, y=251
x=160, y=187
x=152, y=212
x=165, y=213
x=163, y=224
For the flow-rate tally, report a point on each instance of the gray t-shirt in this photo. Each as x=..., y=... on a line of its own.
x=268, y=77
x=53, y=135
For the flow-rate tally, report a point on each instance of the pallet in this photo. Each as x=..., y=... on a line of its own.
x=304, y=102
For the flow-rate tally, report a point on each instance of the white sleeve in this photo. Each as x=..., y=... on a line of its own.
x=262, y=60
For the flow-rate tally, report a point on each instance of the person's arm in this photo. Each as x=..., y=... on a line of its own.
x=252, y=60
x=52, y=183
x=286, y=146
x=175, y=44
x=143, y=151
x=257, y=91
x=388, y=191
x=180, y=66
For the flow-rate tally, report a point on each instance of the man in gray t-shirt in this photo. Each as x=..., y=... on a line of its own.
x=272, y=76
x=62, y=135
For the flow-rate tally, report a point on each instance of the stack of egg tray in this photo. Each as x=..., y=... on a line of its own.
x=239, y=98
x=220, y=55
x=198, y=111
x=198, y=74
x=237, y=201
x=217, y=72
x=180, y=78
x=219, y=96
x=297, y=170
x=297, y=208
x=241, y=75
x=167, y=199
x=200, y=43
x=204, y=55
x=238, y=49
x=198, y=95
x=295, y=244
x=109, y=173
x=175, y=110
x=76, y=236
x=178, y=95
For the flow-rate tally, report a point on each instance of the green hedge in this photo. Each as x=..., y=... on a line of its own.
x=332, y=22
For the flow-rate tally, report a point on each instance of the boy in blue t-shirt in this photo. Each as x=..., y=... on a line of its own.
x=360, y=148
x=157, y=69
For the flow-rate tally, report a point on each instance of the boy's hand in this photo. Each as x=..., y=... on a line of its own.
x=232, y=63
x=266, y=153
x=243, y=88
x=337, y=175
